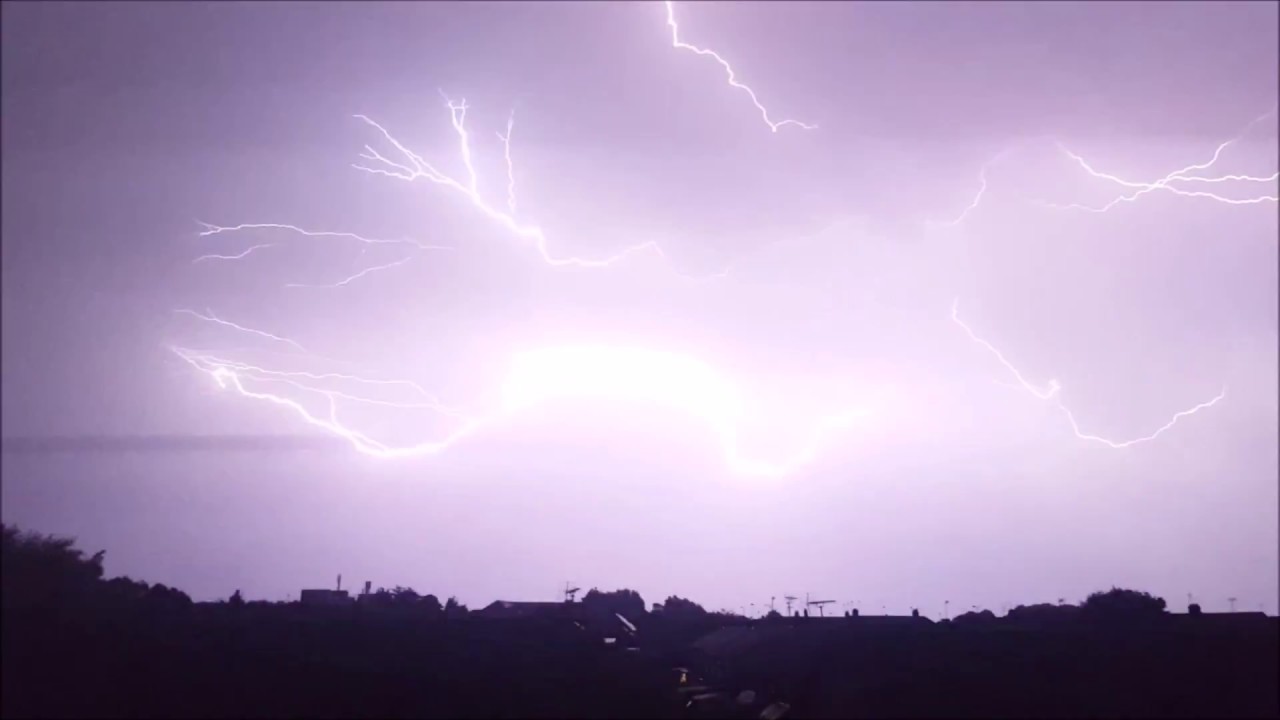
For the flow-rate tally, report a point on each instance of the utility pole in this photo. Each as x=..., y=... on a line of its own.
x=1233, y=603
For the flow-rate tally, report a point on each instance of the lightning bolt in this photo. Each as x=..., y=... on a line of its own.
x=1051, y=392
x=511, y=169
x=302, y=380
x=1188, y=174
x=227, y=377
x=1160, y=430
x=538, y=377
x=413, y=167
x=982, y=190
x=352, y=278
x=210, y=229
x=728, y=69
x=575, y=366
x=232, y=257
x=210, y=317
x=534, y=379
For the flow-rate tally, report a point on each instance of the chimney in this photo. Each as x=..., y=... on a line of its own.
x=367, y=584
x=339, y=582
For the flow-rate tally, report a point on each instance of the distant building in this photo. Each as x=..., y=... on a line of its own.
x=612, y=627
x=1244, y=621
x=503, y=609
x=325, y=598
x=890, y=622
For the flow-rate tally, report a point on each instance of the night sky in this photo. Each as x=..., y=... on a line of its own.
x=660, y=422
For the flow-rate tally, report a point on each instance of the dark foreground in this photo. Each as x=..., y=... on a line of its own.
x=281, y=660
x=75, y=645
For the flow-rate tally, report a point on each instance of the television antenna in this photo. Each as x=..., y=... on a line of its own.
x=570, y=592
x=820, y=603
x=790, y=599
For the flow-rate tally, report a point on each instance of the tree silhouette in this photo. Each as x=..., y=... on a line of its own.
x=975, y=616
x=162, y=598
x=1043, y=612
x=49, y=573
x=44, y=570
x=404, y=595
x=454, y=608
x=679, y=607
x=125, y=589
x=1122, y=604
x=236, y=599
x=627, y=603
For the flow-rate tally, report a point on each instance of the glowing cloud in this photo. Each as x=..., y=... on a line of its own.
x=538, y=377
x=535, y=378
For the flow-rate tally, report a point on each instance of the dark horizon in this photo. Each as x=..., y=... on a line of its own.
x=970, y=312
x=77, y=644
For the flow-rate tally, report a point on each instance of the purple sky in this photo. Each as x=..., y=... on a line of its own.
x=124, y=124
